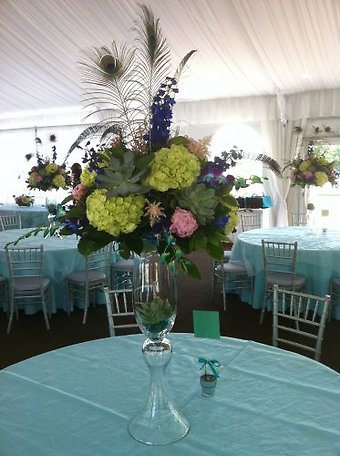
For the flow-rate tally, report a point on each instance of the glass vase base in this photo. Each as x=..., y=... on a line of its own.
x=168, y=427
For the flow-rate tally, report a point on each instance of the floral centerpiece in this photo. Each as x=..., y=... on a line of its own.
x=173, y=200
x=312, y=170
x=47, y=174
x=24, y=200
x=144, y=186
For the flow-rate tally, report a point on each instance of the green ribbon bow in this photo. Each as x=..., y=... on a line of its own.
x=212, y=363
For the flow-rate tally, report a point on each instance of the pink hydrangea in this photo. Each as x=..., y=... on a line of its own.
x=183, y=223
x=79, y=191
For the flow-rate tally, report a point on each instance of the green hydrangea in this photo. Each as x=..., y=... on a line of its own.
x=305, y=165
x=114, y=215
x=33, y=179
x=51, y=168
x=173, y=168
x=87, y=178
x=59, y=181
x=233, y=220
x=321, y=178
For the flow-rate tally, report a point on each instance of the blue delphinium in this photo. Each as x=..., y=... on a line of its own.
x=161, y=115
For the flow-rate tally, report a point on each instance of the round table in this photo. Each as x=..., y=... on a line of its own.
x=31, y=216
x=318, y=258
x=61, y=257
x=78, y=401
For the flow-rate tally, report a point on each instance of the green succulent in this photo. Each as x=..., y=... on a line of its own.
x=123, y=176
x=200, y=201
x=154, y=312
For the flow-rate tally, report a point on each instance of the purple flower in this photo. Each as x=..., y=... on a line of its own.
x=221, y=221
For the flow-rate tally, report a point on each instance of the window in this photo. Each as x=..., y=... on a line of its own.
x=326, y=199
x=250, y=141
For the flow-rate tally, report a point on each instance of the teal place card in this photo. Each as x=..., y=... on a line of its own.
x=206, y=324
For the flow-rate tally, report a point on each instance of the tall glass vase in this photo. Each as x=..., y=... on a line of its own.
x=155, y=304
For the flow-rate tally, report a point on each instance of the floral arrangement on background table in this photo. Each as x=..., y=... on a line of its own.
x=47, y=174
x=24, y=200
x=312, y=170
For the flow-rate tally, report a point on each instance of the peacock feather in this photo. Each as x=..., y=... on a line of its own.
x=121, y=82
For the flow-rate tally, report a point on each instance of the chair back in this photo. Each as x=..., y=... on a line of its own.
x=25, y=261
x=119, y=306
x=250, y=219
x=299, y=320
x=298, y=219
x=280, y=257
x=123, y=271
x=10, y=222
x=99, y=260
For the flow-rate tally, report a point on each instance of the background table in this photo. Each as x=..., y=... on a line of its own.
x=61, y=257
x=78, y=401
x=318, y=257
x=31, y=216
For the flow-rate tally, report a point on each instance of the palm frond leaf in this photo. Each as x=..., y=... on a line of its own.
x=98, y=129
x=272, y=164
x=232, y=157
x=182, y=64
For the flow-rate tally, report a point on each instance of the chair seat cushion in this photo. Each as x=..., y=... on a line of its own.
x=123, y=265
x=29, y=284
x=336, y=281
x=234, y=267
x=284, y=279
x=227, y=254
x=93, y=276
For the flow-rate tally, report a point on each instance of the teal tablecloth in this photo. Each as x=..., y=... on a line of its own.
x=318, y=258
x=32, y=216
x=61, y=258
x=77, y=401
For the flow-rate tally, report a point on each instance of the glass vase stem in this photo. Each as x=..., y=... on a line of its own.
x=159, y=422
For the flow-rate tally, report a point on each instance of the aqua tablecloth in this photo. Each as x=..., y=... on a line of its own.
x=32, y=216
x=61, y=257
x=77, y=401
x=318, y=258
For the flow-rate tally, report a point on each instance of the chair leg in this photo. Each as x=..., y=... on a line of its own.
x=333, y=296
x=224, y=293
x=264, y=306
x=86, y=304
x=213, y=279
x=69, y=304
x=5, y=297
x=11, y=313
x=44, y=307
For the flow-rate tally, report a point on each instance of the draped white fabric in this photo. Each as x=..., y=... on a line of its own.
x=248, y=52
x=245, y=47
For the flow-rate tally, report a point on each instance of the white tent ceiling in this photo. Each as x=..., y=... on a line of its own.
x=245, y=47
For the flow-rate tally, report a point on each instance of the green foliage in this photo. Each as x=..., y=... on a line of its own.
x=200, y=200
x=330, y=152
x=154, y=312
